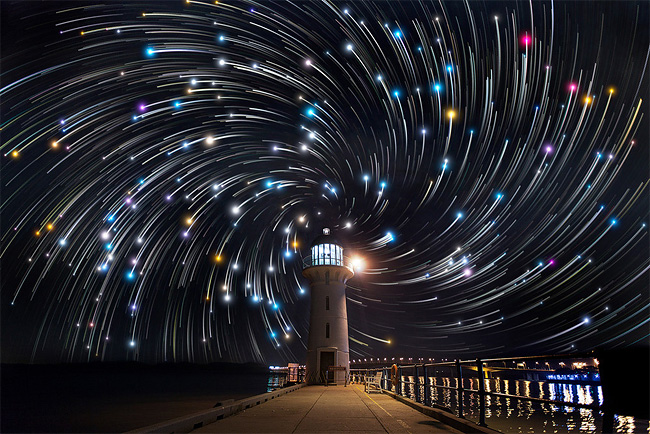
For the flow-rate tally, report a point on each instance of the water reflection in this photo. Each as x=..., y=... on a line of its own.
x=624, y=424
x=521, y=416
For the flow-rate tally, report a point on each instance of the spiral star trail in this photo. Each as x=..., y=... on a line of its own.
x=166, y=165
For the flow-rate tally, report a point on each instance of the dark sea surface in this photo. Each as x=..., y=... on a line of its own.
x=116, y=398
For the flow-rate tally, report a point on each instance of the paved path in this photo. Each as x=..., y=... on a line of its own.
x=329, y=409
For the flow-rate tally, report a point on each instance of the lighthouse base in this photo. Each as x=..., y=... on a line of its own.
x=327, y=365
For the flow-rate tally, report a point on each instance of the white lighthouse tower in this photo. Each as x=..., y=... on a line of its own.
x=328, y=348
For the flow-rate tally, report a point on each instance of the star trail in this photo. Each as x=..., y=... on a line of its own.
x=165, y=166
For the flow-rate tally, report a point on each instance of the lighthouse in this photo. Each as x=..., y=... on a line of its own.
x=328, y=350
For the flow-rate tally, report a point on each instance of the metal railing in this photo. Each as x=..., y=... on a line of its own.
x=316, y=260
x=422, y=392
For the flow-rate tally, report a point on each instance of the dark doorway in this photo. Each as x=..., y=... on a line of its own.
x=326, y=360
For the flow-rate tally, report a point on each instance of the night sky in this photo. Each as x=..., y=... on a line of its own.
x=165, y=166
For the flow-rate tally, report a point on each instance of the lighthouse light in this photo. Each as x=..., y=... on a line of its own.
x=357, y=263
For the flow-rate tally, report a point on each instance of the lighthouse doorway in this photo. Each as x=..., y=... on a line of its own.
x=327, y=360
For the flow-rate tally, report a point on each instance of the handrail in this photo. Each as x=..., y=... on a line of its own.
x=345, y=261
x=478, y=365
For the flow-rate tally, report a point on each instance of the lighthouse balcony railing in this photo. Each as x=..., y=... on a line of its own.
x=316, y=260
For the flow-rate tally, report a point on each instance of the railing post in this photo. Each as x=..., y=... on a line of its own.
x=417, y=384
x=385, y=379
x=400, y=385
x=459, y=389
x=481, y=393
x=427, y=389
x=608, y=421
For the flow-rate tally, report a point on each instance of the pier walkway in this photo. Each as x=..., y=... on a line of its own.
x=329, y=409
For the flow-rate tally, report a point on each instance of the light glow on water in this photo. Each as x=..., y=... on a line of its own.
x=520, y=416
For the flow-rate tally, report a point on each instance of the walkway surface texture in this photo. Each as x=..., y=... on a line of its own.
x=329, y=409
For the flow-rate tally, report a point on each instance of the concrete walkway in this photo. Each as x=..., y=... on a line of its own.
x=329, y=409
